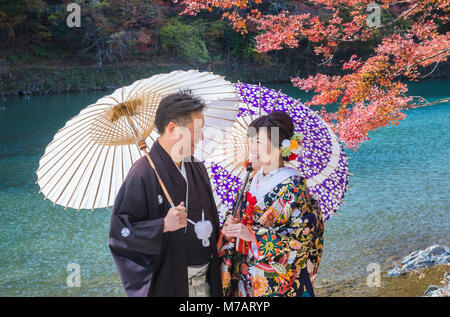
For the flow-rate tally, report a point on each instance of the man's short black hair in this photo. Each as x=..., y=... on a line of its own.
x=177, y=108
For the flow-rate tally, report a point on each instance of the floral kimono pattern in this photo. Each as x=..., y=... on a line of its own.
x=288, y=229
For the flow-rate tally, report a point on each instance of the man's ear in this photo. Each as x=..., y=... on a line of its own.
x=170, y=127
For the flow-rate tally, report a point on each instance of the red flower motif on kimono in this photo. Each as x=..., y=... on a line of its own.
x=244, y=269
x=295, y=244
x=249, y=212
x=292, y=157
x=251, y=200
x=283, y=285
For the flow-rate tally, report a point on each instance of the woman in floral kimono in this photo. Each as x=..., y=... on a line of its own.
x=279, y=236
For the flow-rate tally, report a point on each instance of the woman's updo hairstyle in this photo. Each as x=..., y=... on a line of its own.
x=275, y=119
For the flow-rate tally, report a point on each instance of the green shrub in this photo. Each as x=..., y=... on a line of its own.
x=185, y=40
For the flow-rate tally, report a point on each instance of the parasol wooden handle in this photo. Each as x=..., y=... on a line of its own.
x=142, y=146
x=244, y=186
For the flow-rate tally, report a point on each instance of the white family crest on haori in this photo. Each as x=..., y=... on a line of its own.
x=125, y=232
x=89, y=158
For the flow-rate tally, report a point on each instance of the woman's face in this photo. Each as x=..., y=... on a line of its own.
x=263, y=154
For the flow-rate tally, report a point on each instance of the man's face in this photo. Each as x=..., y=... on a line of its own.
x=195, y=127
x=190, y=135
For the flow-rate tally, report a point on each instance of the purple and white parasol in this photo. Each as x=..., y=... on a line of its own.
x=322, y=160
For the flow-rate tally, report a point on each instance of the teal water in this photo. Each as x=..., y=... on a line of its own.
x=398, y=202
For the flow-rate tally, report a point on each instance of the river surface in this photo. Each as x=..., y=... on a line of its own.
x=399, y=200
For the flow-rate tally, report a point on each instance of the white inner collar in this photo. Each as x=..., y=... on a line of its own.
x=261, y=184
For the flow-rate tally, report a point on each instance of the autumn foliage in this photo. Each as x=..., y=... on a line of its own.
x=371, y=92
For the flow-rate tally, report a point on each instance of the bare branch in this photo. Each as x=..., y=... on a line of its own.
x=428, y=57
x=430, y=103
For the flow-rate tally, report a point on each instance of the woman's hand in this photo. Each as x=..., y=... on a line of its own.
x=238, y=230
x=228, y=222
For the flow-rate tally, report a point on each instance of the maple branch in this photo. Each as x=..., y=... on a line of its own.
x=434, y=68
x=428, y=57
x=430, y=103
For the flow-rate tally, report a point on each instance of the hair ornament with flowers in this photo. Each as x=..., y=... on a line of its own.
x=291, y=148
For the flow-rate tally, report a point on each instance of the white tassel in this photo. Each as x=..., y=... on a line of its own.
x=203, y=230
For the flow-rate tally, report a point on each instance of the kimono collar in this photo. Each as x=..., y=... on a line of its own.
x=261, y=184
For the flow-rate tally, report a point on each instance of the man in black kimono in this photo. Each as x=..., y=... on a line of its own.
x=153, y=244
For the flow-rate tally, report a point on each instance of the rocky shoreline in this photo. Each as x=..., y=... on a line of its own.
x=421, y=273
x=39, y=80
x=431, y=256
x=25, y=80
